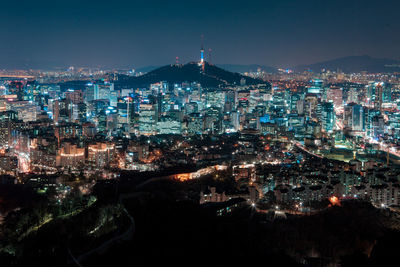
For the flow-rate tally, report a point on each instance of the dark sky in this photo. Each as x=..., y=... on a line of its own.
x=153, y=32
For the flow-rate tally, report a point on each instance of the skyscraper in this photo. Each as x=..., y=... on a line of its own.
x=354, y=117
x=327, y=117
x=378, y=96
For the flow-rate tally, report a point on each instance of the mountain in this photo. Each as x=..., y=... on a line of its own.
x=247, y=68
x=212, y=76
x=355, y=64
x=146, y=69
x=229, y=67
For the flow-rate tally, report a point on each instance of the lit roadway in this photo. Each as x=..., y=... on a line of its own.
x=339, y=125
x=293, y=212
x=306, y=150
x=17, y=76
x=23, y=161
x=382, y=146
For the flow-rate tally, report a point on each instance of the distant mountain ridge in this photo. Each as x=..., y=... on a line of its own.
x=212, y=76
x=247, y=68
x=146, y=69
x=354, y=64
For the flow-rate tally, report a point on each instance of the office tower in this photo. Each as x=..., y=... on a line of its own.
x=26, y=110
x=369, y=114
x=168, y=125
x=352, y=96
x=316, y=87
x=96, y=92
x=327, y=117
x=147, y=118
x=89, y=92
x=358, y=118
x=63, y=110
x=378, y=126
x=234, y=117
x=300, y=104
x=195, y=124
x=294, y=98
x=82, y=109
x=212, y=120
x=378, y=100
x=311, y=106
x=229, y=101
x=354, y=117
x=8, y=120
x=387, y=93
x=74, y=96
x=215, y=98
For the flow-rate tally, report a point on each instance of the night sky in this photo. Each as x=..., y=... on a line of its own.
x=150, y=32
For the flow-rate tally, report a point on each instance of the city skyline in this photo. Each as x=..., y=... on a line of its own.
x=199, y=133
x=138, y=34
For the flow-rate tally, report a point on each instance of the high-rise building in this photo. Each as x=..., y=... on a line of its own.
x=294, y=98
x=195, y=123
x=369, y=114
x=328, y=117
x=352, y=96
x=26, y=111
x=75, y=96
x=100, y=154
x=378, y=96
x=147, y=118
x=316, y=87
x=358, y=118
x=387, y=93
x=8, y=121
x=354, y=117
x=70, y=156
x=213, y=120
x=378, y=126
x=168, y=125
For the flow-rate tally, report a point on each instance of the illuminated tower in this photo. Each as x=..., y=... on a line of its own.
x=201, y=63
x=202, y=55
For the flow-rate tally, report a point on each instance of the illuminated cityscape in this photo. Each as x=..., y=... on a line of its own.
x=195, y=161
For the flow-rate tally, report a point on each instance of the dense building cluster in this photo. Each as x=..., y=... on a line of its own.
x=91, y=124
